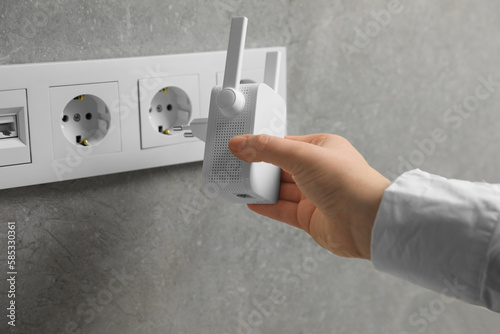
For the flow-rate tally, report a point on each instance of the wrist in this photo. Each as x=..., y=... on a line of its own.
x=362, y=228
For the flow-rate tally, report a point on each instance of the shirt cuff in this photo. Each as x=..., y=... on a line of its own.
x=441, y=234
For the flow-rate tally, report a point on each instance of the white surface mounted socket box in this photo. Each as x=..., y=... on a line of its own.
x=68, y=120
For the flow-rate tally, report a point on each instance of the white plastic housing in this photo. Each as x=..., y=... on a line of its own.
x=228, y=177
x=237, y=109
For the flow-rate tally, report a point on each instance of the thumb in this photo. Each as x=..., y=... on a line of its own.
x=290, y=155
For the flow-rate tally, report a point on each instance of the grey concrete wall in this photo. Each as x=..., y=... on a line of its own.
x=146, y=252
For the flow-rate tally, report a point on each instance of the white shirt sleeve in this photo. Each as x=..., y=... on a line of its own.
x=441, y=234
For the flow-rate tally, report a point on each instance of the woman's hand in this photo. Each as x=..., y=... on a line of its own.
x=327, y=188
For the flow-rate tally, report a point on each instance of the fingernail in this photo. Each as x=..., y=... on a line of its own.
x=237, y=144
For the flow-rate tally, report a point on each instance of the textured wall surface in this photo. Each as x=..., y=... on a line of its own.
x=146, y=252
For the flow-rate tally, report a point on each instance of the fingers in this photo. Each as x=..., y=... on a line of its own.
x=290, y=192
x=283, y=211
x=315, y=139
x=321, y=139
x=286, y=177
x=290, y=155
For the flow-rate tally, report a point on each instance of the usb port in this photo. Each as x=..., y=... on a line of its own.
x=8, y=126
x=244, y=196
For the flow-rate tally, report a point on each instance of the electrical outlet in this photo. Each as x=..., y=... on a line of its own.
x=98, y=117
x=14, y=130
x=164, y=103
x=86, y=116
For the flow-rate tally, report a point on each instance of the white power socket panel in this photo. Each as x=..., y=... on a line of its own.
x=68, y=120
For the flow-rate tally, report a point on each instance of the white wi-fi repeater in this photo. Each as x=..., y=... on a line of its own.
x=237, y=109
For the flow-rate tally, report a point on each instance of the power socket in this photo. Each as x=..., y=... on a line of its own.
x=165, y=103
x=85, y=116
x=236, y=109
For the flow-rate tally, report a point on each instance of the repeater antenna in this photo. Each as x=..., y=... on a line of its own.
x=230, y=100
x=271, y=72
